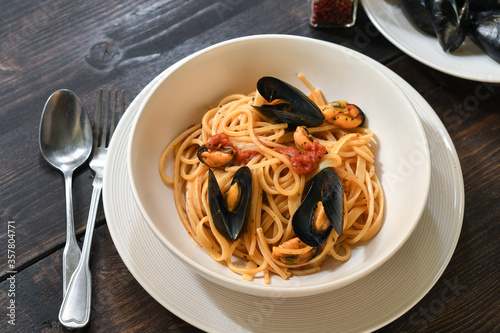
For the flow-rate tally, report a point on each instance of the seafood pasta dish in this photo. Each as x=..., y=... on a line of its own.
x=276, y=182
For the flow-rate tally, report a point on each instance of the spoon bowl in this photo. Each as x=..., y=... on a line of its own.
x=65, y=131
x=66, y=143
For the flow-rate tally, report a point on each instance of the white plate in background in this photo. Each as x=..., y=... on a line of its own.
x=467, y=62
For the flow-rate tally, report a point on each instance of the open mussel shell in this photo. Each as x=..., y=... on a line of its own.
x=449, y=19
x=296, y=109
x=230, y=223
x=327, y=188
x=485, y=32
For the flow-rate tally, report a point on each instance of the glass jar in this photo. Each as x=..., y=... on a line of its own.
x=332, y=13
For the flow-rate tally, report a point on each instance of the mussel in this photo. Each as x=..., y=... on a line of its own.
x=217, y=152
x=343, y=114
x=417, y=13
x=453, y=20
x=216, y=157
x=229, y=212
x=321, y=210
x=445, y=19
x=287, y=104
x=485, y=32
x=449, y=20
x=302, y=138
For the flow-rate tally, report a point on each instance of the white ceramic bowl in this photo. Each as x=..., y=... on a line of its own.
x=180, y=99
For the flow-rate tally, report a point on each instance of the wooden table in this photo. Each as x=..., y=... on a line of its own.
x=84, y=45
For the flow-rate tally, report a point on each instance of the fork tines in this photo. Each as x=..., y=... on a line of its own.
x=100, y=133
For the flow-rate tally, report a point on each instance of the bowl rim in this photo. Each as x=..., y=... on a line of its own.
x=270, y=290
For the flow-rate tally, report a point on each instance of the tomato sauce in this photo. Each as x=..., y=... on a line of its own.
x=222, y=140
x=306, y=161
x=244, y=156
x=219, y=140
x=303, y=162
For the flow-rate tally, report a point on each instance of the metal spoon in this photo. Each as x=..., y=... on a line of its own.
x=66, y=143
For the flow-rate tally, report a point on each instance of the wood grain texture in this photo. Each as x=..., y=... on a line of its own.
x=119, y=303
x=87, y=45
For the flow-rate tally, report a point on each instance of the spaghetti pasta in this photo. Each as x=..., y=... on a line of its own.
x=269, y=245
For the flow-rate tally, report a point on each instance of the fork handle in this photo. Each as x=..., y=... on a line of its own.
x=75, y=308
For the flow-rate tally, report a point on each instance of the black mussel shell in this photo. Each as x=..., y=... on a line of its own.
x=417, y=13
x=327, y=188
x=449, y=19
x=230, y=224
x=477, y=6
x=485, y=32
x=298, y=110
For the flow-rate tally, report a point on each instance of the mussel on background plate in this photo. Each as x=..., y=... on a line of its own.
x=417, y=13
x=451, y=21
x=485, y=32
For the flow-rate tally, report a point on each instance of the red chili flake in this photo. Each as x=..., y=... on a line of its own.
x=332, y=12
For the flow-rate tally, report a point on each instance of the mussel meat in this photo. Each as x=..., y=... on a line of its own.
x=321, y=210
x=230, y=212
x=286, y=104
x=302, y=138
x=216, y=158
x=343, y=114
x=485, y=32
x=217, y=152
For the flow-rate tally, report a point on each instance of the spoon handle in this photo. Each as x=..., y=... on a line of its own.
x=72, y=252
x=75, y=308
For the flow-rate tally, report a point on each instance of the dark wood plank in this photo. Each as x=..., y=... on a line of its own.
x=119, y=303
x=51, y=44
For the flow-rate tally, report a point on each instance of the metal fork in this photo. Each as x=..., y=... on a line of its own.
x=75, y=308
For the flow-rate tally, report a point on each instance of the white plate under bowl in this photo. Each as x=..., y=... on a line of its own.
x=380, y=297
x=181, y=97
x=467, y=62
